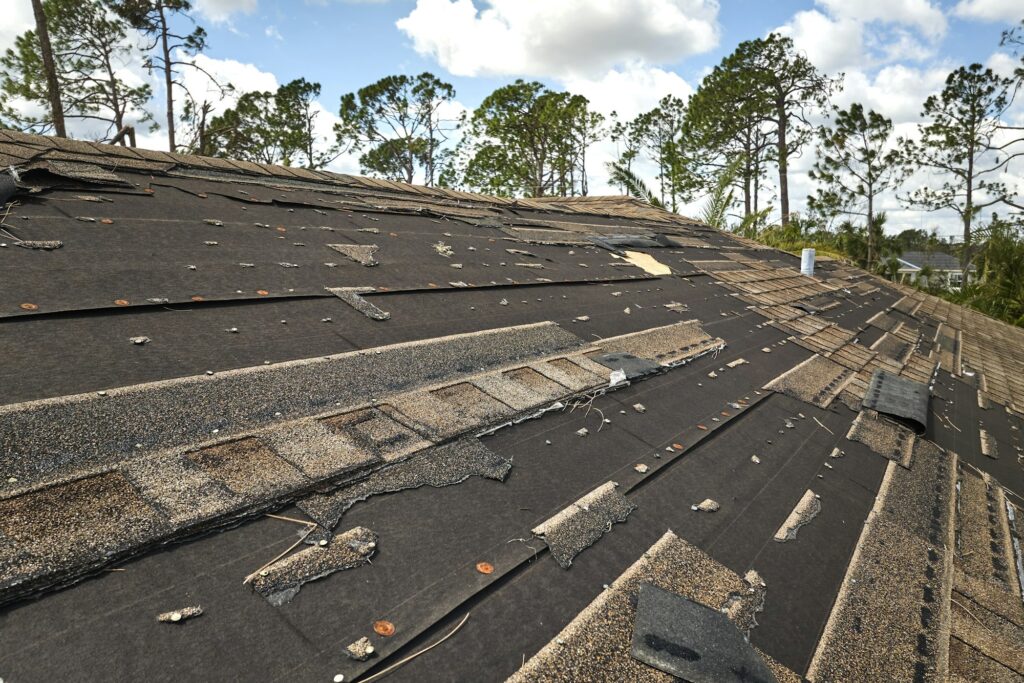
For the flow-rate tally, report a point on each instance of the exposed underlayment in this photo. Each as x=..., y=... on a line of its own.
x=439, y=466
x=281, y=581
x=805, y=510
x=261, y=367
x=891, y=618
x=578, y=526
x=596, y=645
x=102, y=429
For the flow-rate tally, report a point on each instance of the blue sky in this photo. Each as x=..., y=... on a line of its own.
x=345, y=45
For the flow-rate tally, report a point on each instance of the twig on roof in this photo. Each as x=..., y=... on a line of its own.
x=823, y=426
x=290, y=548
x=953, y=600
x=417, y=654
x=303, y=522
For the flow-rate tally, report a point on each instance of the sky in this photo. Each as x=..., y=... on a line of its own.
x=623, y=55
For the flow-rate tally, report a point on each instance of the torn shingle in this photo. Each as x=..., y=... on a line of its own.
x=806, y=509
x=281, y=581
x=578, y=526
x=360, y=253
x=444, y=465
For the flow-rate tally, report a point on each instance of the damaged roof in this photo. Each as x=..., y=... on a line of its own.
x=266, y=422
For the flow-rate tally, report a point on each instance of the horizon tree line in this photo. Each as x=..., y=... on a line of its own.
x=733, y=141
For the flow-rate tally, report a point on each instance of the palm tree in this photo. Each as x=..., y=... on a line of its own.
x=620, y=175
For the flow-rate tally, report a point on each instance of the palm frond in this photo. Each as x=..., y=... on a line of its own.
x=620, y=175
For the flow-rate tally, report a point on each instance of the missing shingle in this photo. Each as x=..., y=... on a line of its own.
x=360, y=253
x=806, y=509
x=351, y=296
x=281, y=581
x=445, y=465
x=581, y=524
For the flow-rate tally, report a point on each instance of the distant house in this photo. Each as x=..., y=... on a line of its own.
x=944, y=268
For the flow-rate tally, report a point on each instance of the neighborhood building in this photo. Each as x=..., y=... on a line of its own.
x=942, y=268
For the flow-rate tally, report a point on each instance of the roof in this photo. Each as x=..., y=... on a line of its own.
x=267, y=422
x=936, y=260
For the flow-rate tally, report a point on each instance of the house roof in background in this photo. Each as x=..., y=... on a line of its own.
x=324, y=408
x=937, y=260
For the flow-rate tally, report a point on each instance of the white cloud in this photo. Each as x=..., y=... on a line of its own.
x=989, y=10
x=221, y=11
x=558, y=37
x=17, y=19
x=629, y=91
x=920, y=14
x=244, y=77
x=831, y=44
x=1003, y=64
x=896, y=91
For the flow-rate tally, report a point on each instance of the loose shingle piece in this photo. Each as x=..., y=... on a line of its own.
x=281, y=581
x=578, y=526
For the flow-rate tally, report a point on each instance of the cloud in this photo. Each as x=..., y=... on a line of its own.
x=244, y=77
x=629, y=91
x=17, y=19
x=221, y=11
x=831, y=44
x=558, y=38
x=989, y=10
x=919, y=14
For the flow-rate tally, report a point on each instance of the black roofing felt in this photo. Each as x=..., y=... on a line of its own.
x=670, y=438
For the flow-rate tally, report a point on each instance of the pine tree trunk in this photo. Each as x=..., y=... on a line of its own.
x=783, y=165
x=168, y=81
x=52, y=86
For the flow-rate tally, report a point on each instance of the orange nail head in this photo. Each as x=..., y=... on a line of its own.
x=384, y=628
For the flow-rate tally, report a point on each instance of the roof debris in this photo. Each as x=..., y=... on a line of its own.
x=179, y=615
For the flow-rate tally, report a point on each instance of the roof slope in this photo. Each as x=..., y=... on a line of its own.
x=935, y=259
x=324, y=408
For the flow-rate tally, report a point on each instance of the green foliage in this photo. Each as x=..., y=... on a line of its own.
x=657, y=135
x=396, y=123
x=273, y=127
x=634, y=186
x=765, y=87
x=526, y=140
x=998, y=289
x=90, y=47
x=959, y=143
x=721, y=197
x=853, y=167
x=166, y=47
